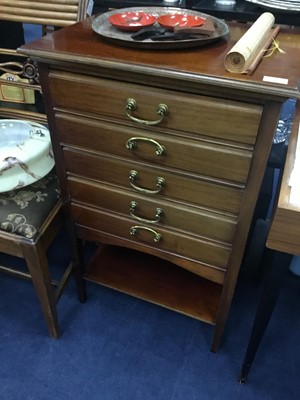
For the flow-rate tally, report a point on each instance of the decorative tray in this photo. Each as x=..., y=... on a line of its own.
x=286, y=5
x=107, y=31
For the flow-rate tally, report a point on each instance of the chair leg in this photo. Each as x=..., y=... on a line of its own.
x=38, y=268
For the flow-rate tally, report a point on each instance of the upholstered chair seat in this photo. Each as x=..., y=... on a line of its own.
x=23, y=211
x=30, y=219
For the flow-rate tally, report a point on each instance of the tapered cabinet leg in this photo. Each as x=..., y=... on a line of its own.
x=273, y=282
x=78, y=268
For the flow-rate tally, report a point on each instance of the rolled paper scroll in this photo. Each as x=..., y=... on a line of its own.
x=242, y=54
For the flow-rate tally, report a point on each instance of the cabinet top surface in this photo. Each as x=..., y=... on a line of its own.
x=79, y=44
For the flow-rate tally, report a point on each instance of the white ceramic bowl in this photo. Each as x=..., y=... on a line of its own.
x=25, y=153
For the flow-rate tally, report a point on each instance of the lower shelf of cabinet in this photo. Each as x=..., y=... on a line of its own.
x=155, y=280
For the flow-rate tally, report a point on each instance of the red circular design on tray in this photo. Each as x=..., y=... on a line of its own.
x=132, y=21
x=169, y=21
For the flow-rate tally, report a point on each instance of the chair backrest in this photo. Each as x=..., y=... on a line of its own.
x=20, y=78
x=50, y=13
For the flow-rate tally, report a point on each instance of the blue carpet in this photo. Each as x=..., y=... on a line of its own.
x=116, y=347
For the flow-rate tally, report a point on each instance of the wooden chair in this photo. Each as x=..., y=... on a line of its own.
x=47, y=13
x=27, y=232
x=51, y=13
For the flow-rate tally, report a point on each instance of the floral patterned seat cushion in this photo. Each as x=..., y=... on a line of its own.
x=23, y=211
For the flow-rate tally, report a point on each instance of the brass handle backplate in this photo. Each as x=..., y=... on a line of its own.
x=159, y=213
x=133, y=177
x=131, y=105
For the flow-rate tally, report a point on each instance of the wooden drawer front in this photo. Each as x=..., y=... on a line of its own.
x=158, y=212
x=208, y=116
x=177, y=186
x=209, y=159
x=171, y=241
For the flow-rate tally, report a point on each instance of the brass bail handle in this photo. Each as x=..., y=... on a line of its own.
x=159, y=213
x=133, y=177
x=132, y=144
x=131, y=105
x=134, y=230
